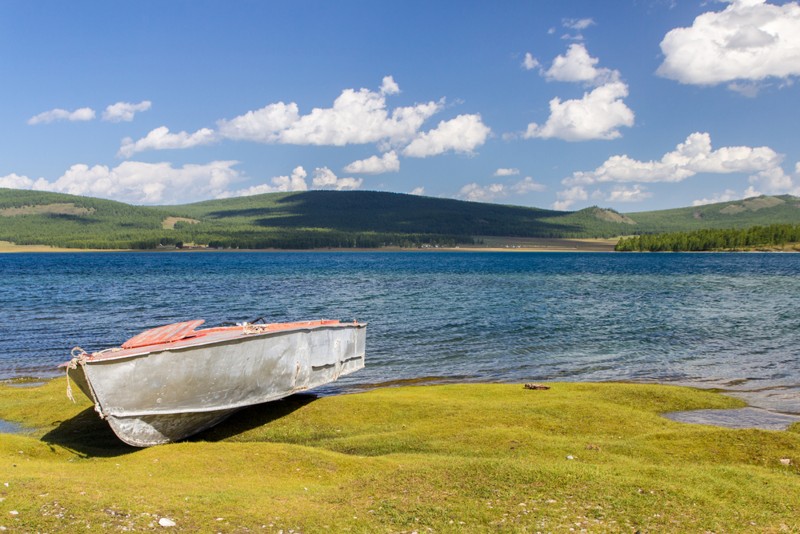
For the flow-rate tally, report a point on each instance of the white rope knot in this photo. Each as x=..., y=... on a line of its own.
x=78, y=358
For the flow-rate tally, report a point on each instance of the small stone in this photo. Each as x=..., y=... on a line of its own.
x=570, y=457
x=166, y=522
x=786, y=461
x=13, y=512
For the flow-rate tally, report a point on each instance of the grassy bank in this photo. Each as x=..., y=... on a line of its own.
x=447, y=458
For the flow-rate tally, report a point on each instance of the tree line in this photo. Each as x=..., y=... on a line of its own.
x=774, y=235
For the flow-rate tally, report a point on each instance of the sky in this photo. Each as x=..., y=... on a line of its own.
x=633, y=105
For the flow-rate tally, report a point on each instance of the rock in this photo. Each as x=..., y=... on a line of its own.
x=536, y=386
x=166, y=522
x=786, y=461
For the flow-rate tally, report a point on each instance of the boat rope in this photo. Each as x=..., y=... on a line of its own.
x=78, y=358
x=249, y=328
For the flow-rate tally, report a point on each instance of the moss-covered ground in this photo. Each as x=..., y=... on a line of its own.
x=450, y=458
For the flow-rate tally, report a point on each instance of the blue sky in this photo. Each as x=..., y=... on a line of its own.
x=633, y=105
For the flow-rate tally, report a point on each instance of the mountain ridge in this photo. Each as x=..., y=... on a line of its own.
x=347, y=219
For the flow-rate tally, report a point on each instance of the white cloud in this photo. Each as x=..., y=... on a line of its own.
x=462, y=134
x=477, y=193
x=578, y=66
x=527, y=185
x=389, y=86
x=356, y=117
x=695, y=155
x=506, y=172
x=15, y=181
x=577, y=24
x=324, y=178
x=636, y=193
x=161, y=138
x=389, y=162
x=568, y=197
x=488, y=193
x=124, y=111
x=139, y=183
x=727, y=196
x=58, y=114
x=279, y=184
x=418, y=191
x=263, y=125
x=748, y=40
x=598, y=115
x=774, y=181
x=529, y=62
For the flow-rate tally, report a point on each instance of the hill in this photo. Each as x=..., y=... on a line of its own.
x=318, y=219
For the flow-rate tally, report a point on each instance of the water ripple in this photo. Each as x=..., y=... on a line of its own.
x=716, y=320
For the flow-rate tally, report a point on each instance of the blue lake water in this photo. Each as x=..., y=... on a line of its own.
x=712, y=320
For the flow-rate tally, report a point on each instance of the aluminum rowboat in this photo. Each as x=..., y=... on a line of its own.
x=170, y=382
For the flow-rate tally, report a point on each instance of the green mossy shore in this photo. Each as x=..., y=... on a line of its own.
x=448, y=458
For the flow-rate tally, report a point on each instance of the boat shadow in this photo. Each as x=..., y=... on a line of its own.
x=91, y=437
x=255, y=416
x=87, y=435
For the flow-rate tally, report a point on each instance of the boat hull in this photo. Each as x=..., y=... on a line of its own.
x=169, y=392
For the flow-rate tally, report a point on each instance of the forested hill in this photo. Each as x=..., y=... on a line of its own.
x=316, y=219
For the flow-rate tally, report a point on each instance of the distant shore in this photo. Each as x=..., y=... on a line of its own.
x=496, y=245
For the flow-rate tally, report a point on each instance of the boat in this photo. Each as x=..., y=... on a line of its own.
x=170, y=382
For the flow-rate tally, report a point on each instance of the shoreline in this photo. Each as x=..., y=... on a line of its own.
x=520, y=245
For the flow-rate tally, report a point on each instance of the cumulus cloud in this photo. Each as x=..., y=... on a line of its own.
x=263, y=125
x=621, y=193
x=278, y=184
x=506, y=172
x=726, y=196
x=529, y=62
x=389, y=86
x=694, y=155
x=324, y=178
x=487, y=193
x=479, y=193
x=124, y=111
x=568, y=197
x=748, y=40
x=578, y=66
x=161, y=138
x=356, y=117
x=598, y=115
x=462, y=134
x=774, y=181
x=418, y=191
x=389, y=162
x=15, y=181
x=527, y=185
x=58, y=114
x=139, y=183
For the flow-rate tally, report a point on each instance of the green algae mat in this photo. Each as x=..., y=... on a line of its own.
x=449, y=458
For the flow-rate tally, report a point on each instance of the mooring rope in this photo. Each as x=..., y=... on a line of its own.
x=78, y=357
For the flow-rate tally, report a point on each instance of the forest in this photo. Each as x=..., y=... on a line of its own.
x=753, y=238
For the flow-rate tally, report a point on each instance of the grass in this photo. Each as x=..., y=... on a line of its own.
x=450, y=458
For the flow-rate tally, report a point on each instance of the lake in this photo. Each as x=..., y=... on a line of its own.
x=726, y=321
